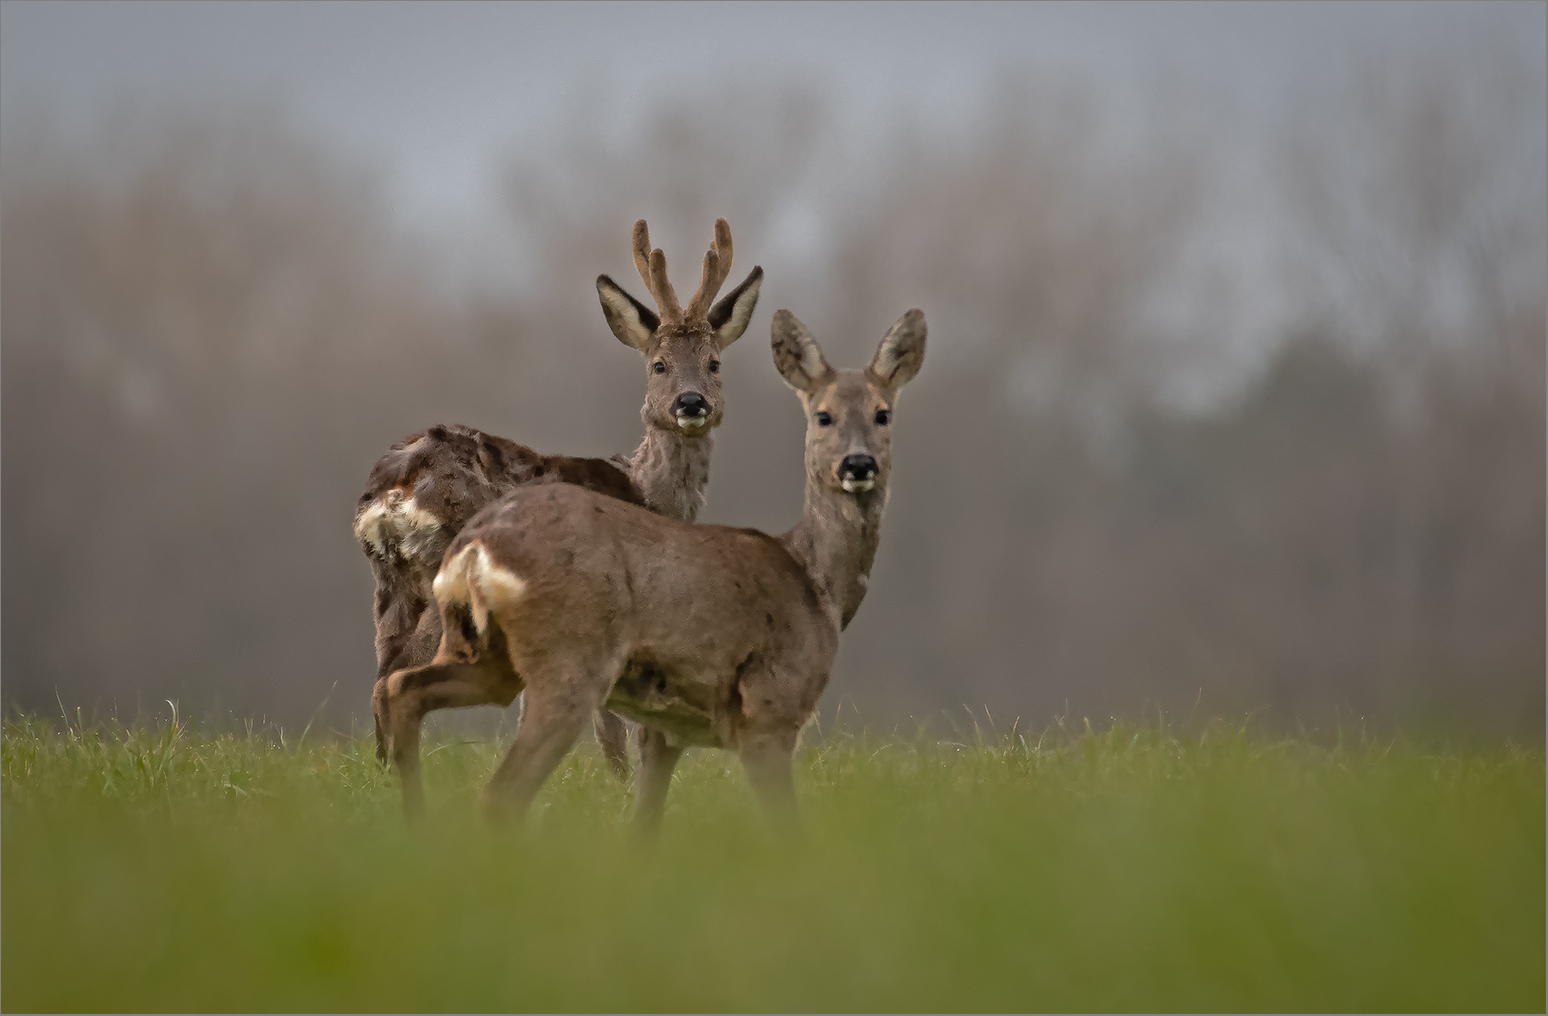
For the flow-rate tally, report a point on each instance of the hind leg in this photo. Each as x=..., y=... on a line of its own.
x=414, y=649
x=558, y=699
x=613, y=737
x=658, y=757
x=405, y=697
x=612, y=734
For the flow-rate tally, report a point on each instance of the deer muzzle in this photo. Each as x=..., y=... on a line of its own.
x=857, y=473
x=691, y=410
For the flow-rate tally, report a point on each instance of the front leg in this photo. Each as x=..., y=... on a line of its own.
x=768, y=758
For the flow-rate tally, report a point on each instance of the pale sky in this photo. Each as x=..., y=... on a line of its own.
x=436, y=98
x=435, y=95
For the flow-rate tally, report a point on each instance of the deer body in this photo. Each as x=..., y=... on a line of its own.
x=697, y=613
x=705, y=635
x=427, y=487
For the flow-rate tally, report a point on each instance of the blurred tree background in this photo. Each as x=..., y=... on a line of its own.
x=1105, y=501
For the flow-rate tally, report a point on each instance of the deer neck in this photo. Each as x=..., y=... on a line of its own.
x=671, y=470
x=836, y=542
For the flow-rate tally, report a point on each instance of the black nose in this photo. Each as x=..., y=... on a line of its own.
x=690, y=404
x=857, y=467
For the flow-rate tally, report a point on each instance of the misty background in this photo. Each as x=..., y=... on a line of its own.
x=1234, y=399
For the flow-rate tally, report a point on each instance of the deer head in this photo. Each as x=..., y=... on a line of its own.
x=848, y=412
x=681, y=346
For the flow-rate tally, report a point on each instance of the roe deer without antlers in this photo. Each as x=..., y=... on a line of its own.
x=705, y=635
x=428, y=486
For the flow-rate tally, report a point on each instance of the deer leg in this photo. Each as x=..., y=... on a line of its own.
x=412, y=648
x=405, y=698
x=555, y=706
x=613, y=737
x=658, y=758
x=377, y=694
x=768, y=760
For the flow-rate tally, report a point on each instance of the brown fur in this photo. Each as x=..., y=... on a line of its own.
x=705, y=635
x=428, y=486
x=451, y=472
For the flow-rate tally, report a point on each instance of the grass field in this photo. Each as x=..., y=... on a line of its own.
x=157, y=869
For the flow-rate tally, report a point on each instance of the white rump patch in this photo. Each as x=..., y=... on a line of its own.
x=473, y=577
x=390, y=520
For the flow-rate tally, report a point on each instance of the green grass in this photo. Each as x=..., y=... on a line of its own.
x=158, y=869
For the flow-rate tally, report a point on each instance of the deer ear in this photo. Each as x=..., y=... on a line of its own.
x=796, y=354
x=730, y=316
x=629, y=319
x=901, y=352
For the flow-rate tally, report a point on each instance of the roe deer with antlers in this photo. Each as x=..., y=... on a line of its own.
x=705, y=635
x=428, y=486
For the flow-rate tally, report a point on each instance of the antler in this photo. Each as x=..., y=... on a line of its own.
x=652, y=268
x=717, y=265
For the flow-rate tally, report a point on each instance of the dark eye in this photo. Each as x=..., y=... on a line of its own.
x=824, y=420
x=659, y=367
x=714, y=366
x=882, y=417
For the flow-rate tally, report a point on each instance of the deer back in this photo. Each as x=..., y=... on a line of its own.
x=430, y=484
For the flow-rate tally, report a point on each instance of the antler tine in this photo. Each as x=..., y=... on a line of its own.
x=709, y=284
x=666, y=296
x=723, y=248
x=642, y=255
x=717, y=266
x=652, y=268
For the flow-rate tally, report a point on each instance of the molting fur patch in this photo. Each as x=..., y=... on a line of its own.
x=387, y=523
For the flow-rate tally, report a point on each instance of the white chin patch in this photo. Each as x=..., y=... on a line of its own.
x=692, y=422
x=855, y=486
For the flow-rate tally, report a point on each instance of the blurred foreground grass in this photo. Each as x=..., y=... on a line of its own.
x=158, y=869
